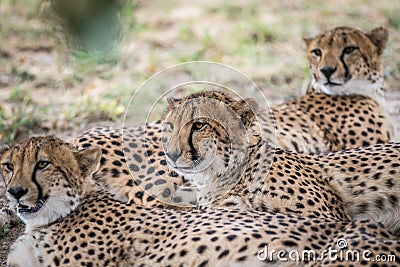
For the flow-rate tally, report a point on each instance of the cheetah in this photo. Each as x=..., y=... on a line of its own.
x=346, y=61
x=134, y=153
x=72, y=222
x=345, y=106
x=355, y=183
x=210, y=142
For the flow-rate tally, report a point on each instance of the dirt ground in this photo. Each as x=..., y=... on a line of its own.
x=47, y=88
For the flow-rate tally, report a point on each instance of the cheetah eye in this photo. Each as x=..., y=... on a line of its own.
x=42, y=164
x=316, y=52
x=198, y=125
x=349, y=49
x=8, y=166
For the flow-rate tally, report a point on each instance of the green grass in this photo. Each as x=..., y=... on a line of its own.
x=234, y=11
x=4, y=230
x=393, y=17
x=97, y=108
x=23, y=115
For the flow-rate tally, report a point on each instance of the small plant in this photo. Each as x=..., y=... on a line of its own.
x=234, y=11
x=97, y=108
x=92, y=29
x=393, y=18
x=21, y=117
x=93, y=64
x=257, y=33
x=23, y=75
x=4, y=230
x=186, y=32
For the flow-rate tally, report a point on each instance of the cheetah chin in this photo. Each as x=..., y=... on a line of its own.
x=47, y=210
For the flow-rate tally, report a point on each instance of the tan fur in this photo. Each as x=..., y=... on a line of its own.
x=318, y=122
x=347, y=113
x=350, y=184
x=101, y=231
x=264, y=183
x=219, y=144
x=352, y=59
x=47, y=189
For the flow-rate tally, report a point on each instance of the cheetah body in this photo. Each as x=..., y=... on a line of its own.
x=355, y=183
x=97, y=230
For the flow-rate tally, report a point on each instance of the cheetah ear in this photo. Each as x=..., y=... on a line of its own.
x=88, y=160
x=172, y=102
x=3, y=149
x=307, y=41
x=246, y=109
x=379, y=37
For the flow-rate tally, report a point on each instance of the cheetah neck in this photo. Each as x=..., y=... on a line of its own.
x=213, y=183
x=52, y=210
x=356, y=87
x=58, y=206
x=218, y=186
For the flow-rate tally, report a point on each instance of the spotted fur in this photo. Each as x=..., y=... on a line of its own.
x=44, y=180
x=101, y=231
x=272, y=179
x=346, y=61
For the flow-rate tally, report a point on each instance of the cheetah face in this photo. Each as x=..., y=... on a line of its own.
x=37, y=174
x=201, y=135
x=345, y=61
x=207, y=146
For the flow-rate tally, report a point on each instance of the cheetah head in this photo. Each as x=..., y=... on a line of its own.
x=44, y=178
x=204, y=134
x=346, y=61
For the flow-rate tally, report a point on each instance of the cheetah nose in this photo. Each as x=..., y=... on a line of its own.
x=327, y=71
x=173, y=155
x=17, y=191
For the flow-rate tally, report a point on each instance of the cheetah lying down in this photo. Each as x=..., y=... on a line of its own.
x=359, y=183
x=70, y=222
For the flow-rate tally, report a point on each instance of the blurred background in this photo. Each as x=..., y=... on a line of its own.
x=69, y=65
